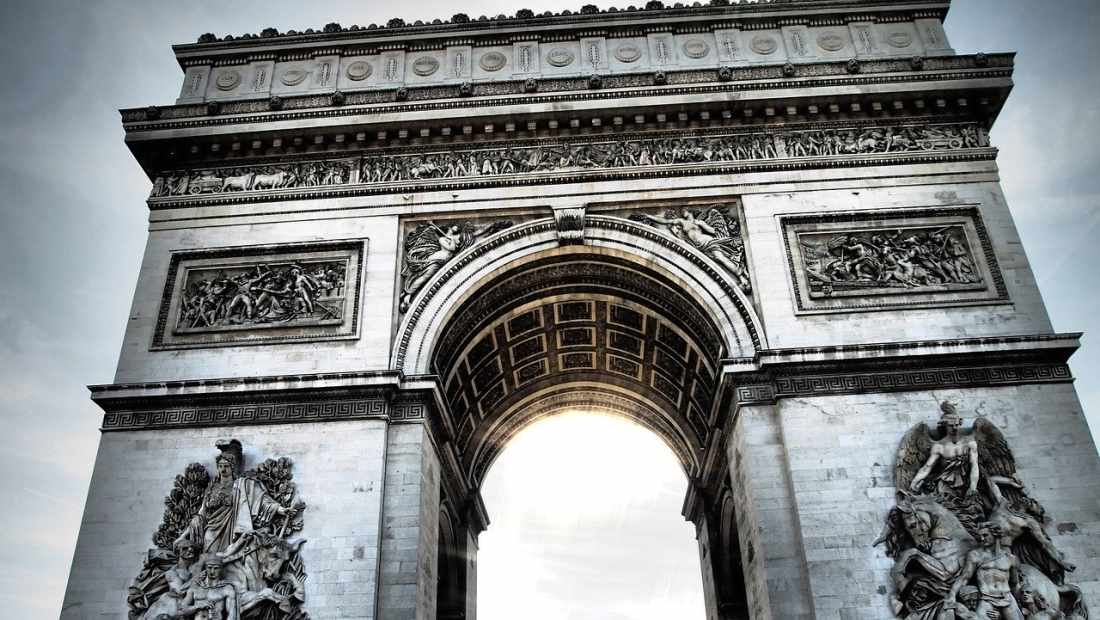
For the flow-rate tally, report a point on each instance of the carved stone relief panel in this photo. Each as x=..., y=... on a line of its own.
x=560, y=58
x=690, y=152
x=227, y=547
x=967, y=539
x=261, y=294
x=525, y=58
x=800, y=43
x=898, y=39
x=908, y=258
x=430, y=245
x=238, y=81
x=662, y=50
x=357, y=73
x=714, y=230
x=696, y=50
x=764, y=46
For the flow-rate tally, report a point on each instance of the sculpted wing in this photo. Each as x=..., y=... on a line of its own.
x=912, y=454
x=994, y=456
x=722, y=224
x=423, y=241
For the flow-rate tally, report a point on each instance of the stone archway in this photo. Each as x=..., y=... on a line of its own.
x=630, y=323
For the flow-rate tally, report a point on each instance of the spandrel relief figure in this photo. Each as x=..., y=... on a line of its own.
x=241, y=523
x=429, y=247
x=714, y=232
x=967, y=540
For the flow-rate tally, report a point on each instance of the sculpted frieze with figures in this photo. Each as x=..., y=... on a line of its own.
x=227, y=547
x=258, y=294
x=967, y=540
x=571, y=156
x=858, y=260
x=714, y=230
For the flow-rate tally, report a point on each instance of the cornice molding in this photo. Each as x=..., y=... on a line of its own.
x=778, y=12
x=558, y=90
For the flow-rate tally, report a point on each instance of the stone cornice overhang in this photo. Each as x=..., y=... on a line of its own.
x=973, y=86
x=774, y=11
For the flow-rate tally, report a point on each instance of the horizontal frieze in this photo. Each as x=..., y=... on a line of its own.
x=676, y=154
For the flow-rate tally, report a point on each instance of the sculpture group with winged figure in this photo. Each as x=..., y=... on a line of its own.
x=429, y=247
x=967, y=540
x=225, y=549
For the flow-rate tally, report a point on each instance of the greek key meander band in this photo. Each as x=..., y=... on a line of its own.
x=415, y=410
x=910, y=380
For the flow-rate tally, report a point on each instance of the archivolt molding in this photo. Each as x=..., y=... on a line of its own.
x=462, y=278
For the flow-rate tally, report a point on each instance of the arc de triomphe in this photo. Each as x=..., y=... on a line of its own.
x=771, y=233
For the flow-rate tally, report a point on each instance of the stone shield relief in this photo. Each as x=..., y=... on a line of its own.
x=854, y=261
x=261, y=294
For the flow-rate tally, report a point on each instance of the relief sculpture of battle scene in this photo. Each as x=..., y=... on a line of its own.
x=227, y=548
x=968, y=541
x=260, y=294
x=902, y=258
x=263, y=294
x=921, y=258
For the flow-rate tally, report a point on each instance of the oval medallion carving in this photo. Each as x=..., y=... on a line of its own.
x=764, y=44
x=628, y=52
x=493, y=61
x=228, y=80
x=359, y=70
x=696, y=48
x=425, y=66
x=560, y=57
x=830, y=42
x=899, y=39
x=294, y=77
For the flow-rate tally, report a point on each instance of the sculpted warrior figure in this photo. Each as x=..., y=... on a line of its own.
x=955, y=487
x=996, y=572
x=210, y=598
x=429, y=247
x=714, y=233
x=958, y=470
x=231, y=506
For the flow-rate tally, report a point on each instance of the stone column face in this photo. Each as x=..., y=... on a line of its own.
x=337, y=469
x=410, y=526
x=774, y=562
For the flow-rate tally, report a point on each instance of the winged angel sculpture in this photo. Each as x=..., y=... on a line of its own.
x=713, y=231
x=225, y=549
x=967, y=540
x=428, y=247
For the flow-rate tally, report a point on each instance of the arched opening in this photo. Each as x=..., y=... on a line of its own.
x=586, y=525
x=521, y=328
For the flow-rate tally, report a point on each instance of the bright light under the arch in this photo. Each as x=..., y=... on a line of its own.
x=586, y=525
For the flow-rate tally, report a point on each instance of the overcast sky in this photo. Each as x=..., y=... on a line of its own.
x=73, y=230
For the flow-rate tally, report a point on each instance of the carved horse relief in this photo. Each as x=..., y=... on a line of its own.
x=966, y=538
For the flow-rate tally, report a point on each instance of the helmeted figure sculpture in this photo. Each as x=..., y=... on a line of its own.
x=962, y=522
x=240, y=522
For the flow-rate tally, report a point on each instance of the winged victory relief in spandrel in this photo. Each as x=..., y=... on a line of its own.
x=967, y=539
x=225, y=549
x=429, y=247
